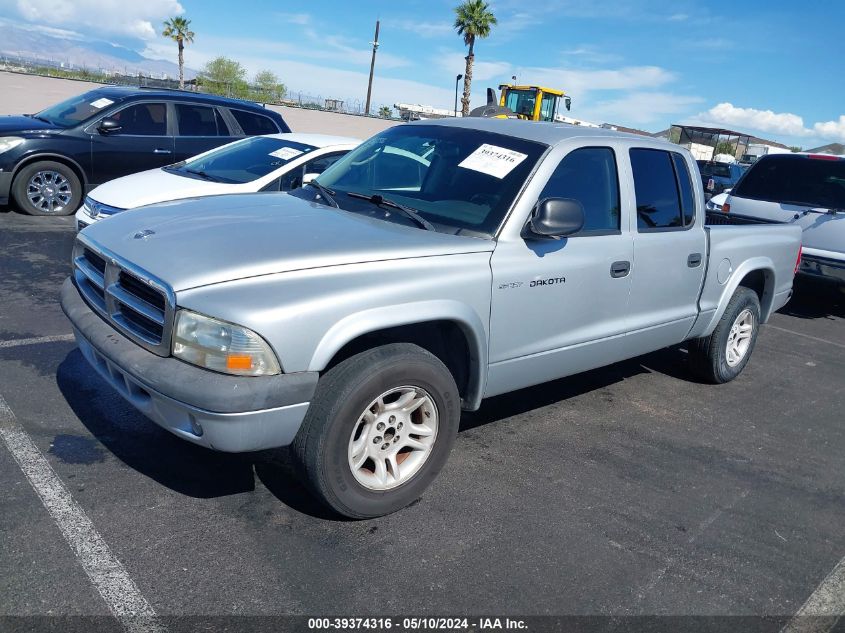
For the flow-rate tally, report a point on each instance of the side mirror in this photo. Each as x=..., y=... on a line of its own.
x=308, y=178
x=554, y=218
x=107, y=126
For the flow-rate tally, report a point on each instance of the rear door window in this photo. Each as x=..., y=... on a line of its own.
x=656, y=190
x=812, y=182
x=197, y=120
x=253, y=124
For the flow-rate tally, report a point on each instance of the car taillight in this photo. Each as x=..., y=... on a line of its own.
x=823, y=157
x=726, y=207
x=798, y=261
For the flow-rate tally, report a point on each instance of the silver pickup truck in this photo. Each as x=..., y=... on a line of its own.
x=438, y=264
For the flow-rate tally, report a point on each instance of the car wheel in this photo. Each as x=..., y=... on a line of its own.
x=379, y=429
x=722, y=356
x=47, y=188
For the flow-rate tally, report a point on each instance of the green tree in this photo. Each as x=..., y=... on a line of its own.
x=795, y=149
x=473, y=19
x=225, y=76
x=269, y=87
x=178, y=29
x=384, y=112
x=725, y=147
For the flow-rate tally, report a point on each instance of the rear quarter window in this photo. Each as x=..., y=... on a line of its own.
x=253, y=124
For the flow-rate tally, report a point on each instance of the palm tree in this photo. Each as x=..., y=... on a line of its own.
x=473, y=19
x=178, y=30
x=384, y=112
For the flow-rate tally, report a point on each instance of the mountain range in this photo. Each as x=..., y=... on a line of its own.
x=75, y=51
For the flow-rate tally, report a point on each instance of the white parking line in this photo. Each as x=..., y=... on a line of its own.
x=824, y=607
x=105, y=571
x=36, y=341
x=812, y=338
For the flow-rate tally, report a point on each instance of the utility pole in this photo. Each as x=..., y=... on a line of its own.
x=372, y=68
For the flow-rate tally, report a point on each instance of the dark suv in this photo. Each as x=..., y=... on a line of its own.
x=49, y=160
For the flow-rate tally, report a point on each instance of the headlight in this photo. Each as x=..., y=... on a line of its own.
x=8, y=142
x=221, y=346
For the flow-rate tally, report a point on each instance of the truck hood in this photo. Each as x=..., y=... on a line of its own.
x=821, y=231
x=19, y=124
x=204, y=241
x=156, y=185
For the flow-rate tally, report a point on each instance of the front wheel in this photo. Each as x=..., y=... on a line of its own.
x=722, y=356
x=380, y=428
x=47, y=188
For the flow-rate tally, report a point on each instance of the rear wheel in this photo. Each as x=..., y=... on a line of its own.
x=47, y=188
x=722, y=356
x=378, y=431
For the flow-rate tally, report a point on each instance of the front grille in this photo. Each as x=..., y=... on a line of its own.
x=134, y=302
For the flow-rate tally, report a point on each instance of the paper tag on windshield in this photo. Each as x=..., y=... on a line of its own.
x=493, y=160
x=286, y=153
x=101, y=103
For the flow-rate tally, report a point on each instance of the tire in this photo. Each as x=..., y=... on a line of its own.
x=709, y=357
x=340, y=415
x=47, y=188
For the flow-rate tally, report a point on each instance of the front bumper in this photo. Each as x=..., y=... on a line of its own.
x=822, y=268
x=226, y=413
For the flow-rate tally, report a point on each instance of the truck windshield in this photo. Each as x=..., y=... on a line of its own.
x=242, y=161
x=461, y=180
x=76, y=109
x=795, y=179
x=720, y=170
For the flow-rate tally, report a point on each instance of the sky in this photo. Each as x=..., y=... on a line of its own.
x=774, y=69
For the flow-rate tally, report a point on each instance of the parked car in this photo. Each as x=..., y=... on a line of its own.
x=355, y=317
x=714, y=204
x=49, y=160
x=807, y=190
x=716, y=177
x=277, y=162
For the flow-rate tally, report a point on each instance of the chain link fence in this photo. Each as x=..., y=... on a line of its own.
x=49, y=67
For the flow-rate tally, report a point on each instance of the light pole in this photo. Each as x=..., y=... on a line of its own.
x=457, y=79
x=372, y=68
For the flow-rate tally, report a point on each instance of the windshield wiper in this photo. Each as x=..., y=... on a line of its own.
x=40, y=118
x=202, y=174
x=381, y=201
x=325, y=192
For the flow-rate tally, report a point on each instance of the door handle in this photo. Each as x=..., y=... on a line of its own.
x=160, y=150
x=620, y=269
x=694, y=260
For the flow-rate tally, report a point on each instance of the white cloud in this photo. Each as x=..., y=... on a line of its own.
x=295, y=18
x=784, y=123
x=140, y=20
x=639, y=108
x=831, y=130
x=423, y=29
x=678, y=17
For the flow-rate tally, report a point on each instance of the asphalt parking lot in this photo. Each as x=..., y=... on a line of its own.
x=630, y=490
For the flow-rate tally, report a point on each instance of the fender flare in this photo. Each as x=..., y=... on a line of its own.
x=364, y=322
x=754, y=264
x=32, y=158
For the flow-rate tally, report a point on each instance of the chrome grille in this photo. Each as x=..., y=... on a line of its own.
x=137, y=304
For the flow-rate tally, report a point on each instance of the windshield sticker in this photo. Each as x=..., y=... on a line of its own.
x=286, y=153
x=101, y=103
x=493, y=160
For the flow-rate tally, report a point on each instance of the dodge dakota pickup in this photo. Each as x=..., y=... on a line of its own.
x=437, y=264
